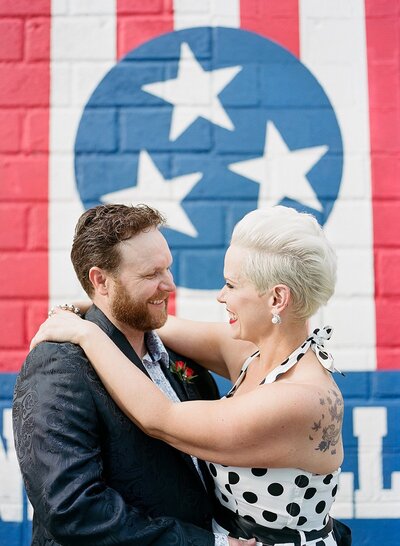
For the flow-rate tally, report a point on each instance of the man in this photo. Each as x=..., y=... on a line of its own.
x=92, y=476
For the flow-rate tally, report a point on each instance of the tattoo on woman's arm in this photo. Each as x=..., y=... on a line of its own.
x=326, y=431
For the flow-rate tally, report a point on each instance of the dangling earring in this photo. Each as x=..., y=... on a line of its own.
x=276, y=319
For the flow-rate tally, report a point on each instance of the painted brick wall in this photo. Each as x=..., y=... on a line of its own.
x=350, y=48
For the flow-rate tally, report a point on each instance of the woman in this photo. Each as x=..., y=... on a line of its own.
x=274, y=442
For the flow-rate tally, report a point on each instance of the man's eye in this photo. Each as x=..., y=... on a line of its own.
x=228, y=285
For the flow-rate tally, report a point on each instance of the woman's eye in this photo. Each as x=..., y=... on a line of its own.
x=228, y=285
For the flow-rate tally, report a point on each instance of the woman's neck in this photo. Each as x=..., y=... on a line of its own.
x=280, y=342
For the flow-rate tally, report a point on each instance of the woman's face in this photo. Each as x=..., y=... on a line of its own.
x=249, y=313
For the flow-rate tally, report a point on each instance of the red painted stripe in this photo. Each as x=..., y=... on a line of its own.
x=172, y=304
x=276, y=20
x=24, y=151
x=383, y=31
x=138, y=22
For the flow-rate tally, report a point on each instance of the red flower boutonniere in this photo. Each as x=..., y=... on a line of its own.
x=183, y=371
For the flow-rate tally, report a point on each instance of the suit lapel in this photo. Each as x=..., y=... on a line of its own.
x=175, y=382
x=184, y=391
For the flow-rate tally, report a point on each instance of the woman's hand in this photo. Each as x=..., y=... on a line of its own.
x=62, y=326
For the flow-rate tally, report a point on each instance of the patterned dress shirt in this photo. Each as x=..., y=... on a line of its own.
x=156, y=357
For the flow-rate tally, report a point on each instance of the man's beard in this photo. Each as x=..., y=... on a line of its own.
x=136, y=314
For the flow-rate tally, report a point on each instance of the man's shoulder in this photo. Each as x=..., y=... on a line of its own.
x=50, y=349
x=52, y=358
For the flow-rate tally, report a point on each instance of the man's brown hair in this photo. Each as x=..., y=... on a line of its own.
x=100, y=230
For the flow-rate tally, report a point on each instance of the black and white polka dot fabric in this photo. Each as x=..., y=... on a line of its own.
x=315, y=341
x=281, y=497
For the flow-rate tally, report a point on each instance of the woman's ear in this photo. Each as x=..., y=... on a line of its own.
x=280, y=298
x=99, y=280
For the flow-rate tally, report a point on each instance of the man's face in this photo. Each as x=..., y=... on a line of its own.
x=140, y=289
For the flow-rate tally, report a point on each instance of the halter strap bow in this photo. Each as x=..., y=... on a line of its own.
x=317, y=342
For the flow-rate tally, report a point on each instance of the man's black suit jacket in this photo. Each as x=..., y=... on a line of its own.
x=92, y=476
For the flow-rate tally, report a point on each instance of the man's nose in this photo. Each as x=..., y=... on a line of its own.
x=167, y=282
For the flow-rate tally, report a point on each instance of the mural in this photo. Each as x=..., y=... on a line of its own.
x=207, y=112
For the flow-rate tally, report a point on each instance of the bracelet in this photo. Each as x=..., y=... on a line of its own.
x=66, y=307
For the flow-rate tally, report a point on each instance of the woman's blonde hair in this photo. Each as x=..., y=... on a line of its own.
x=288, y=247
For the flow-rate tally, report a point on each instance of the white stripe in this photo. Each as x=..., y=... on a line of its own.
x=333, y=47
x=199, y=305
x=83, y=49
x=213, y=13
x=202, y=304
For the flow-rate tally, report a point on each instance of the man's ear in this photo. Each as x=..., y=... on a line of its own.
x=99, y=280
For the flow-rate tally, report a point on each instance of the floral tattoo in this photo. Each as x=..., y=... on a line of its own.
x=330, y=424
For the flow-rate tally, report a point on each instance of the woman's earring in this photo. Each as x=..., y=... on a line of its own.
x=276, y=319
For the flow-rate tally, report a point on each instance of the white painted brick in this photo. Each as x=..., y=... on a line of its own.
x=355, y=140
x=61, y=91
x=349, y=225
x=199, y=305
x=188, y=6
x=333, y=47
x=336, y=9
x=85, y=78
x=353, y=321
x=87, y=42
x=345, y=96
x=59, y=7
x=227, y=8
x=206, y=13
x=190, y=95
x=358, y=166
x=89, y=38
x=342, y=510
x=355, y=359
x=352, y=280
x=65, y=286
x=66, y=121
x=343, y=507
x=63, y=217
x=91, y=7
x=335, y=35
x=62, y=172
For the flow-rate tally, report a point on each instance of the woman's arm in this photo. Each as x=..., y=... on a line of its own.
x=253, y=429
x=208, y=343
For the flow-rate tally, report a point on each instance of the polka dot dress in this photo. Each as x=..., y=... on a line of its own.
x=281, y=497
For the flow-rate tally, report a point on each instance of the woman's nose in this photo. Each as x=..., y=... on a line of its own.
x=221, y=295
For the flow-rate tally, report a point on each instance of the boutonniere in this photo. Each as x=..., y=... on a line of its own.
x=183, y=371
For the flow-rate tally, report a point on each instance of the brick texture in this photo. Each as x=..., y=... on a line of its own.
x=25, y=38
x=24, y=100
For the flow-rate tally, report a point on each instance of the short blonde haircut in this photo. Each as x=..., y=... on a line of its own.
x=288, y=247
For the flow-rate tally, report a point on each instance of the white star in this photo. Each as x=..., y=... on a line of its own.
x=155, y=191
x=282, y=172
x=194, y=93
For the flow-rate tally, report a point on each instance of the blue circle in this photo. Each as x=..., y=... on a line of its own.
x=121, y=119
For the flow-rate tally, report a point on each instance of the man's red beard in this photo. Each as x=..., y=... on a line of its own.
x=135, y=313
